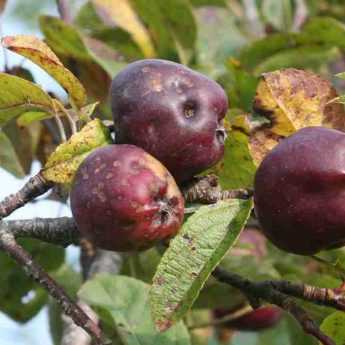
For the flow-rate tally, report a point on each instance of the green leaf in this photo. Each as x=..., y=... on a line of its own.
x=32, y=116
x=88, y=19
x=38, y=52
x=324, y=30
x=150, y=13
x=142, y=265
x=63, y=38
x=208, y=3
x=126, y=301
x=20, y=297
x=120, y=41
x=277, y=13
x=71, y=281
x=214, y=42
x=191, y=257
x=63, y=163
x=24, y=142
x=122, y=14
x=9, y=159
x=253, y=54
x=313, y=57
x=109, y=59
x=237, y=168
x=172, y=25
x=180, y=22
x=18, y=96
x=334, y=327
x=239, y=85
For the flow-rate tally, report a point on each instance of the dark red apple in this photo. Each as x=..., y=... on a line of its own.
x=299, y=191
x=123, y=199
x=172, y=112
x=256, y=320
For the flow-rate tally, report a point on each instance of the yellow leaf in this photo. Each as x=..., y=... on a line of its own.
x=63, y=163
x=38, y=52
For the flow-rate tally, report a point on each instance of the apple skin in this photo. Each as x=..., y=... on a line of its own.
x=174, y=113
x=256, y=320
x=123, y=199
x=299, y=192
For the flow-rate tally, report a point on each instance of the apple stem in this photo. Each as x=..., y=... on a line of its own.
x=206, y=190
x=36, y=186
x=266, y=291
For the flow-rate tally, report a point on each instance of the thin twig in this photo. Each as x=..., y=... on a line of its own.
x=36, y=186
x=60, y=127
x=70, y=118
x=59, y=231
x=324, y=296
x=271, y=295
x=36, y=272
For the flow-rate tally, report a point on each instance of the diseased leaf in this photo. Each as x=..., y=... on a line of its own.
x=293, y=99
x=121, y=13
x=261, y=142
x=334, y=327
x=38, y=52
x=125, y=301
x=65, y=160
x=191, y=257
x=68, y=43
x=19, y=96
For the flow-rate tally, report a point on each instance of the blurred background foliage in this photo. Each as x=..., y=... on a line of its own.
x=233, y=42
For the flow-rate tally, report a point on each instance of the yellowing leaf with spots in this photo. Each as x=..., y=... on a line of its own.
x=292, y=99
x=65, y=160
x=38, y=52
x=121, y=14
